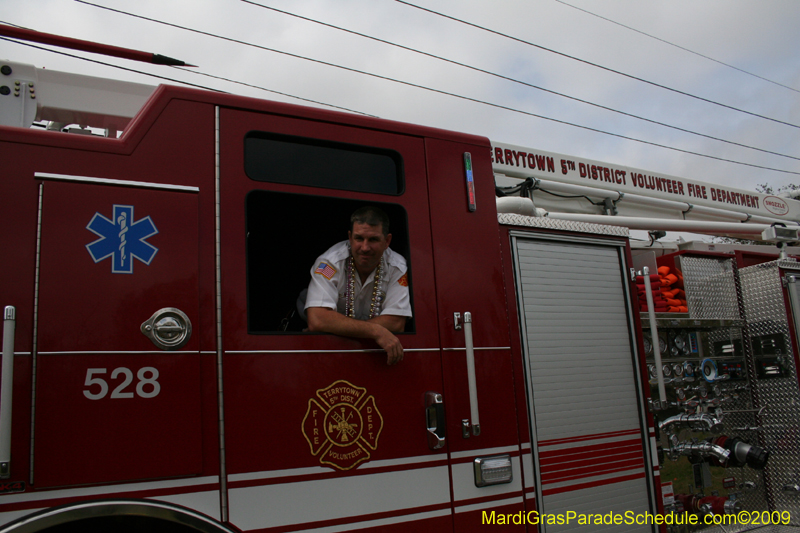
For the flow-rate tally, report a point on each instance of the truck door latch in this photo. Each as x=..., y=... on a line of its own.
x=168, y=328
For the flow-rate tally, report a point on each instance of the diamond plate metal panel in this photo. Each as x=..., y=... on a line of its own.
x=710, y=287
x=566, y=225
x=778, y=396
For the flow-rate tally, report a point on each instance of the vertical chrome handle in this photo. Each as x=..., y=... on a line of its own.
x=6, y=389
x=471, y=381
x=434, y=417
x=651, y=312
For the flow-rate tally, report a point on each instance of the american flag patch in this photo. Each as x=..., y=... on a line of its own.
x=326, y=270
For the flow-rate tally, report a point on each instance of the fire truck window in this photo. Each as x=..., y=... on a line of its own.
x=318, y=163
x=285, y=234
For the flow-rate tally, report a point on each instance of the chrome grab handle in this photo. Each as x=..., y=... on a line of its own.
x=435, y=422
x=471, y=381
x=651, y=312
x=6, y=390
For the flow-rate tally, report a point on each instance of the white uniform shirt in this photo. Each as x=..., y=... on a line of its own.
x=329, y=283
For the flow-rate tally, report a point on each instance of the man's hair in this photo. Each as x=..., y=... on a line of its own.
x=371, y=215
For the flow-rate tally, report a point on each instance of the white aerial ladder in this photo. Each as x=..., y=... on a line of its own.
x=564, y=187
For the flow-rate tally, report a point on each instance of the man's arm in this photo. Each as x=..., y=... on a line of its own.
x=379, y=329
x=394, y=323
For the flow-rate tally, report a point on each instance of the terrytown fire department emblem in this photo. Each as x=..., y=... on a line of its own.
x=343, y=426
x=122, y=239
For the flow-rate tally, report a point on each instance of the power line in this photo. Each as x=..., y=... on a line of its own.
x=430, y=89
x=165, y=78
x=678, y=46
x=192, y=70
x=501, y=34
x=514, y=80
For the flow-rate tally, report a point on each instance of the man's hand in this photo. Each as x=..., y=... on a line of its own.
x=390, y=343
x=379, y=329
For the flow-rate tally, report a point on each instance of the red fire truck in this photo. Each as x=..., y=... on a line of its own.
x=157, y=374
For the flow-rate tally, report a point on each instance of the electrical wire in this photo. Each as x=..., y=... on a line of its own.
x=514, y=80
x=438, y=91
x=165, y=78
x=607, y=69
x=678, y=46
x=190, y=70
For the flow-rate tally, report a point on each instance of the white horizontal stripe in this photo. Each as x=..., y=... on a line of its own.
x=106, y=490
x=294, y=472
x=271, y=474
x=527, y=468
x=484, y=451
x=406, y=461
x=122, y=183
x=381, y=522
x=487, y=505
x=591, y=479
x=318, y=500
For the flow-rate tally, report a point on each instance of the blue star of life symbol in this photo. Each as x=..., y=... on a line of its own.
x=122, y=239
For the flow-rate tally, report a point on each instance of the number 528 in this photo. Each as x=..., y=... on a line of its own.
x=147, y=385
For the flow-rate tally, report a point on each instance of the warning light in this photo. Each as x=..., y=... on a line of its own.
x=470, y=182
x=493, y=470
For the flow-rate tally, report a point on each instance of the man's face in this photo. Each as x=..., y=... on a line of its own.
x=367, y=244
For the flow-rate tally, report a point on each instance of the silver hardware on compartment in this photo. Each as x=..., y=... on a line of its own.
x=168, y=328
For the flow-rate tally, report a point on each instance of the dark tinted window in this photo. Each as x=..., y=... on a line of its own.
x=318, y=163
x=285, y=234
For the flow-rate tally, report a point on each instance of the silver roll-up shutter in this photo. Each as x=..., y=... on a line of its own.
x=587, y=427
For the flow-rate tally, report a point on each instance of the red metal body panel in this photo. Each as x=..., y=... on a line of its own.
x=91, y=318
x=87, y=315
x=470, y=279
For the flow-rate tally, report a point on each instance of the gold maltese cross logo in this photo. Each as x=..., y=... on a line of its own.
x=343, y=426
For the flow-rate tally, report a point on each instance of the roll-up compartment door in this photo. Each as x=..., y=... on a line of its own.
x=583, y=399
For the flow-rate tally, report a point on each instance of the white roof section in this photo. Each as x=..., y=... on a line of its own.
x=43, y=94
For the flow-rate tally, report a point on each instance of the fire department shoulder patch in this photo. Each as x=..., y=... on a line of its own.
x=343, y=426
x=403, y=280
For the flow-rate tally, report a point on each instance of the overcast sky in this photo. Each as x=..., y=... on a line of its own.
x=760, y=37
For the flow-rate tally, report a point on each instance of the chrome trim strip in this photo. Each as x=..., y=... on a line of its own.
x=121, y=183
x=6, y=389
x=368, y=350
x=34, y=342
x=223, y=473
x=476, y=348
x=116, y=352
